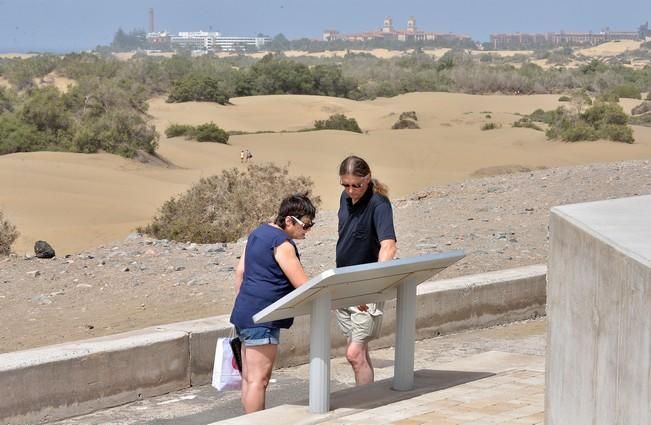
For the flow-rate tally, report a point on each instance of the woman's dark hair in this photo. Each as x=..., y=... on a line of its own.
x=356, y=166
x=298, y=205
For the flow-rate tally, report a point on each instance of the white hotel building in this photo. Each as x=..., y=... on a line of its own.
x=204, y=40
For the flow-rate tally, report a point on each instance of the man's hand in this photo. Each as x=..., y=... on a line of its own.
x=362, y=307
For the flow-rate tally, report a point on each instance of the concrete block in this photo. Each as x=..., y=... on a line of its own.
x=54, y=382
x=599, y=326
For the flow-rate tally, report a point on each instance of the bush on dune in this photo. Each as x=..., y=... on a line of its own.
x=642, y=108
x=8, y=235
x=338, y=122
x=209, y=132
x=225, y=207
x=603, y=120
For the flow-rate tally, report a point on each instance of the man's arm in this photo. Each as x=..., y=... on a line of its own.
x=388, y=250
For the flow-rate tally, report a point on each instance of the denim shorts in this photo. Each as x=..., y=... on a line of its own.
x=259, y=335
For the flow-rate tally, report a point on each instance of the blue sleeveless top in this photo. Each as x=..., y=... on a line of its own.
x=264, y=281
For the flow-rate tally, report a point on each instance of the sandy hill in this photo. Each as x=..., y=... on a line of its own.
x=611, y=48
x=78, y=201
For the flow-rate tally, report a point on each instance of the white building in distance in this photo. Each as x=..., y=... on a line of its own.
x=212, y=40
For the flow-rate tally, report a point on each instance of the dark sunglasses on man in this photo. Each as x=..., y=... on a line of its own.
x=354, y=186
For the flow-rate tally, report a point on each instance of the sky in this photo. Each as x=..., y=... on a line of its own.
x=73, y=25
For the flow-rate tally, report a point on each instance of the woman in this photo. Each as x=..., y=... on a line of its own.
x=366, y=235
x=268, y=270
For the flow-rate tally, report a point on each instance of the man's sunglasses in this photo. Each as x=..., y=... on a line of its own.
x=305, y=226
x=354, y=186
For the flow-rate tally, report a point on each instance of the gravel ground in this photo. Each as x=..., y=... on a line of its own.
x=500, y=222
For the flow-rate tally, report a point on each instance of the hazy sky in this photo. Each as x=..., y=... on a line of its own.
x=64, y=25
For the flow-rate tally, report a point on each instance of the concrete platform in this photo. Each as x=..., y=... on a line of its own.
x=490, y=376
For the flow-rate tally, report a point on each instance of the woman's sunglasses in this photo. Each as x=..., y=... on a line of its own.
x=305, y=226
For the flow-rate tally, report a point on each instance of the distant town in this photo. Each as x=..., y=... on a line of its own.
x=212, y=41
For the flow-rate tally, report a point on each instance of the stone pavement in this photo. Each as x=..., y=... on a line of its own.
x=484, y=376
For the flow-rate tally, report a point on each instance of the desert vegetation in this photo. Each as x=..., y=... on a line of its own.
x=225, y=207
x=106, y=110
x=338, y=122
x=8, y=235
x=209, y=132
x=603, y=120
x=490, y=126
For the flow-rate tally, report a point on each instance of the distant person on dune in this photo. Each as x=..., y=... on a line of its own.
x=242, y=155
x=269, y=269
x=366, y=235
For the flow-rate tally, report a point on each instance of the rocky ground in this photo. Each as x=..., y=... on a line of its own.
x=500, y=222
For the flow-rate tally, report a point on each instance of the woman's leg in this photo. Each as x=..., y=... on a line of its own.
x=257, y=362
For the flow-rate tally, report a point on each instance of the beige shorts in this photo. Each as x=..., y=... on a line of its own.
x=359, y=325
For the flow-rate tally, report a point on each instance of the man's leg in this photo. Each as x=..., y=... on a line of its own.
x=358, y=357
x=257, y=362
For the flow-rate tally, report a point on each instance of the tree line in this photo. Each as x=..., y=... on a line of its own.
x=106, y=110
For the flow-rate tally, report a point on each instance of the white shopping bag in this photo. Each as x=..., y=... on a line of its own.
x=225, y=375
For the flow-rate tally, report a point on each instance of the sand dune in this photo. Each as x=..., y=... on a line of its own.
x=78, y=201
x=612, y=48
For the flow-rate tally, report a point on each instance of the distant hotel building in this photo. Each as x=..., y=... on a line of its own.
x=510, y=40
x=206, y=41
x=387, y=32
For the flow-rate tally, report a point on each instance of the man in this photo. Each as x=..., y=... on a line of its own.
x=366, y=235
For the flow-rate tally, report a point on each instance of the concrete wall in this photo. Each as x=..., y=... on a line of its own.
x=54, y=382
x=59, y=381
x=598, y=361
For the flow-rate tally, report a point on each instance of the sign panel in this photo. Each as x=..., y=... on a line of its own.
x=360, y=284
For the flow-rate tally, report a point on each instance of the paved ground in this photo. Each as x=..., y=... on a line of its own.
x=512, y=393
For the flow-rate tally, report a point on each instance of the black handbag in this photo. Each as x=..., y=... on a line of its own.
x=236, y=347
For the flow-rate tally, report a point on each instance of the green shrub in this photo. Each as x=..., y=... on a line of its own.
x=642, y=108
x=564, y=99
x=608, y=97
x=627, y=91
x=490, y=126
x=404, y=123
x=617, y=133
x=541, y=116
x=601, y=121
x=580, y=131
x=338, y=122
x=210, y=133
x=409, y=115
x=644, y=120
x=8, y=235
x=120, y=132
x=176, y=130
x=525, y=122
x=648, y=95
x=198, y=88
x=18, y=136
x=225, y=207
x=605, y=113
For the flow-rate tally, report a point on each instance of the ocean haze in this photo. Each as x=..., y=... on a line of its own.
x=71, y=25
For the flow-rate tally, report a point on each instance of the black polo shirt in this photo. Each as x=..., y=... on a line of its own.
x=362, y=226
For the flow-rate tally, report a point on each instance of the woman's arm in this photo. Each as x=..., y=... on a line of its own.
x=239, y=273
x=285, y=255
